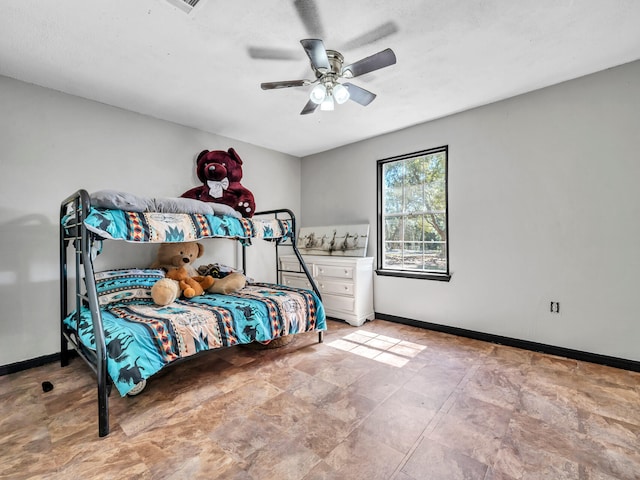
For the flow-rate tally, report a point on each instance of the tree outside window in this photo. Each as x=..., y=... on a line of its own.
x=412, y=215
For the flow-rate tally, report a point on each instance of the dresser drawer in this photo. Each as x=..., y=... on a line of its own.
x=341, y=304
x=339, y=288
x=334, y=271
x=291, y=265
x=296, y=281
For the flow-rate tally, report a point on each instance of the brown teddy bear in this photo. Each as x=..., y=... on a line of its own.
x=177, y=259
x=182, y=277
x=175, y=255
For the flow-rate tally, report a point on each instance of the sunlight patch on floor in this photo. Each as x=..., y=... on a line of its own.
x=381, y=348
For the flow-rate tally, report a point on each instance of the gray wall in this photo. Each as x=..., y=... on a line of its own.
x=52, y=144
x=544, y=204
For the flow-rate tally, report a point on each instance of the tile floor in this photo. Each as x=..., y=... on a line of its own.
x=382, y=401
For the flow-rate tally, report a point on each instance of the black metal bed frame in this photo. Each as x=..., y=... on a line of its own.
x=74, y=233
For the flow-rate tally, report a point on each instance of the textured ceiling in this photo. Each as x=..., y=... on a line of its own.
x=195, y=69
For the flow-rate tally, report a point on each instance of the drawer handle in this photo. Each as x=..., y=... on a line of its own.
x=346, y=272
x=346, y=288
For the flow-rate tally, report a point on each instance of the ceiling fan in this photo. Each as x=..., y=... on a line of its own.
x=328, y=68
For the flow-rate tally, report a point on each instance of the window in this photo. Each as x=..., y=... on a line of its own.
x=413, y=238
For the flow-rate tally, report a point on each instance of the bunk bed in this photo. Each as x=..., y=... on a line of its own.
x=125, y=338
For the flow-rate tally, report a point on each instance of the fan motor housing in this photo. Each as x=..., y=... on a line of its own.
x=335, y=62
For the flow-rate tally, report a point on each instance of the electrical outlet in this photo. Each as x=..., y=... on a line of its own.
x=554, y=307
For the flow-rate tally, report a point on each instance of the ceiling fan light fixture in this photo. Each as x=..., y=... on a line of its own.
x=327, y=104
x=318, y=94
x=328, y=69
x=340, y=93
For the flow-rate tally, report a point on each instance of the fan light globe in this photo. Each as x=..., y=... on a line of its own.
x=340, y=94
x=327, y=104
x=318, y=94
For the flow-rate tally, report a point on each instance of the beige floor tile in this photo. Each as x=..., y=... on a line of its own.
x=432, y=461
x=400, y=420
x=473, y=428
x=363, y=457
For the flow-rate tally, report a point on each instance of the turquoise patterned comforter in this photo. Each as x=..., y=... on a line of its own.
x=181, y=227
x=142, y=338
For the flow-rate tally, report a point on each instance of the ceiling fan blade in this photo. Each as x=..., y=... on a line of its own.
x=308, y=13
x=284, y=84
x=310, y=107
x=317, y=54
x=273, y=53
x=359, y=95
x=382, y=31
x=374, y=62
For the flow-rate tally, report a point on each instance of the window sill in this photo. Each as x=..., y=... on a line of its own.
x=442, y=277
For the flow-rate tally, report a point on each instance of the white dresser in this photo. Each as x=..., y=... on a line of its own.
x=345, y=283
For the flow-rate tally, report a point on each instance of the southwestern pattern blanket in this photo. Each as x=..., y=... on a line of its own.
x=142, y=338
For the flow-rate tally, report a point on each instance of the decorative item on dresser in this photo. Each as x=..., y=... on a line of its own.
x=346, y=284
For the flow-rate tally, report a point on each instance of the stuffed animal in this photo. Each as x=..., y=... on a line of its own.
x=227, y=279
x=171, y=256
x=229, y=284
x=177, y=260
x=221, y=172
x=190, y=286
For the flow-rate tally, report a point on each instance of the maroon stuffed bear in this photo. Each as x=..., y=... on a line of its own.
x=220, y=172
